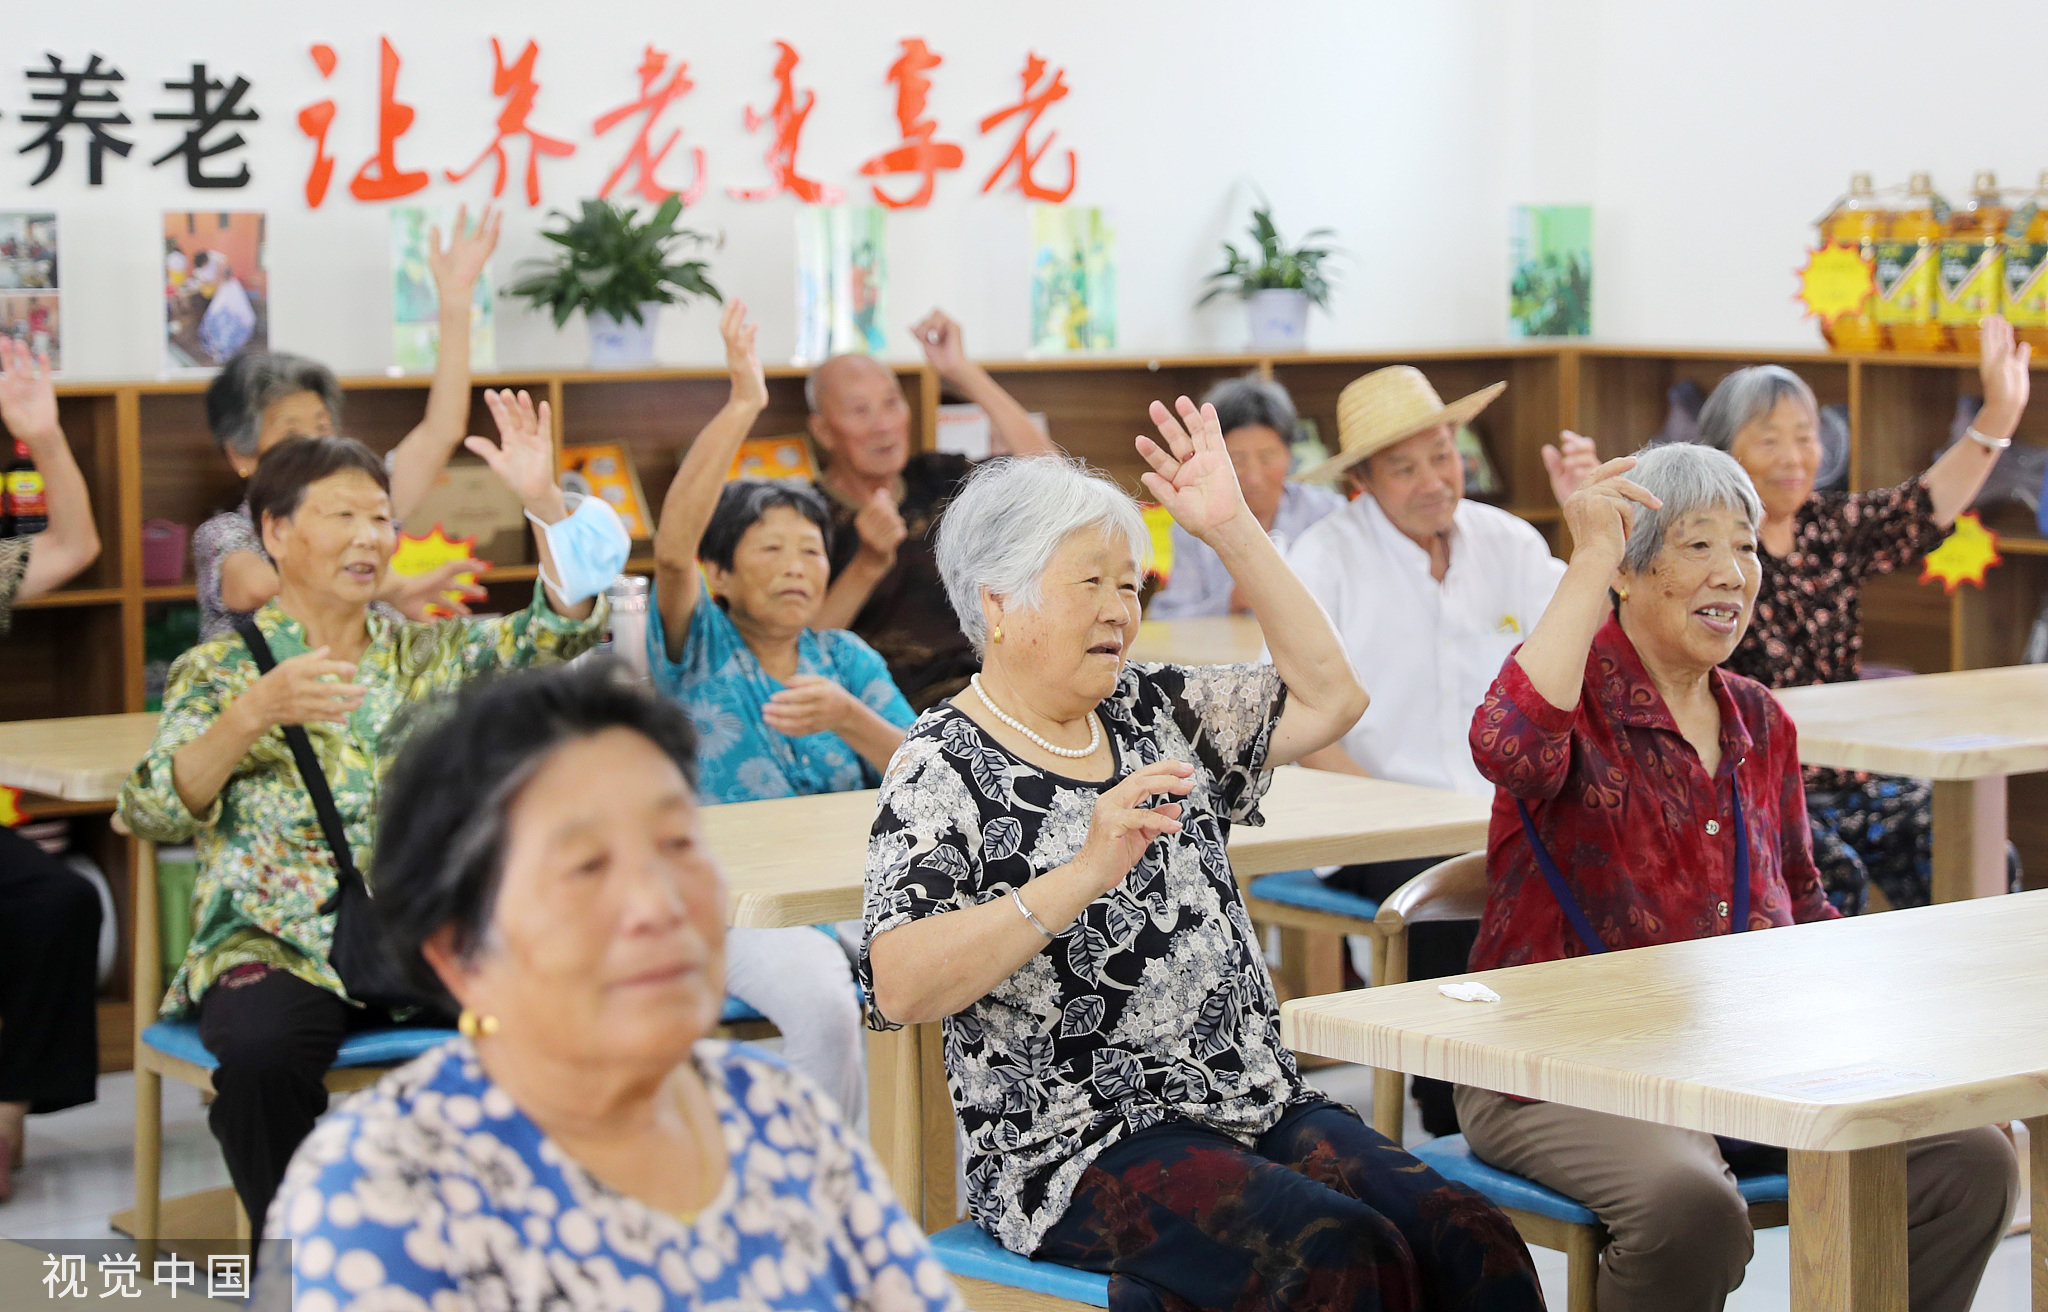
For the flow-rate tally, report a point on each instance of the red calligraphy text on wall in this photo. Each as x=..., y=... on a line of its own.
x=787, y=114
x=919, y=153
x=380, y=178
x=314, y=120
x=641, y=158
x=1022, y=157
x=516, y=84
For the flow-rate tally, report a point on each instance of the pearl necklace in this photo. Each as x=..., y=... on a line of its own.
x=1070, y=753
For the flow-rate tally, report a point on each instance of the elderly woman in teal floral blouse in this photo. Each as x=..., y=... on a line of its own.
x=270, y=1005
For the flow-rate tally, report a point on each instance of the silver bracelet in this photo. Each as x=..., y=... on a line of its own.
x=1985, y=441
x=1025, y=912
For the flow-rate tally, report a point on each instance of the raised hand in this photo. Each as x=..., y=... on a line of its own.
x=28, y=397
x=1191, y=473
x=1601, y=513
x=742, y=361
x=524, y=455
x=307, y=689
x=1570, y=464
x=2002, y=367
x=809, y=704
x=457, y=266
x=939, y=337
x=881, y=527
x=1123, y=825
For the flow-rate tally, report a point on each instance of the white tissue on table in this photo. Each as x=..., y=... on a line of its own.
x=1466, y=992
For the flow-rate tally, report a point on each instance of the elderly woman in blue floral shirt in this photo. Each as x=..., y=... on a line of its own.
x=220, y=774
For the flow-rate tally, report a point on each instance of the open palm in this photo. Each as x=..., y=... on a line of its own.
x=524, y=455
x=28, y=399
x=458, y=265
x=1191, y=473
x=2003, y=367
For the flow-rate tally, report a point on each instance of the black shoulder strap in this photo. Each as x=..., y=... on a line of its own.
x=310, y=772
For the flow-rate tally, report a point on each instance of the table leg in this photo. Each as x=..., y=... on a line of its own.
x=1969, y=838
x=1849, y=1230
x=2037, y=1138
x=895, y=1107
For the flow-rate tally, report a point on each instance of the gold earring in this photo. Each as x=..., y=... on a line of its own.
x=1622, y=593
x=997, y=636
x=476, y=1025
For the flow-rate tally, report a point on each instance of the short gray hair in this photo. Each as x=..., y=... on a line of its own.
x=253, y=381
x=1245, y=402
x=1687, y=479
x=1009, y=519
x=1746, y=396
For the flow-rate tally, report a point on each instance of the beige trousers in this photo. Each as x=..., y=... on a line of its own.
x=1680, y=1231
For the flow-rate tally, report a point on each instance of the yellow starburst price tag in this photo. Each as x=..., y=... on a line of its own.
x=416, y=555
x=1159, y=524
x=1837, y=280
x=11, y=813
x=1964, y=556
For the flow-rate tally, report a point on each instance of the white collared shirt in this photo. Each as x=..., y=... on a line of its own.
x=1426, y=651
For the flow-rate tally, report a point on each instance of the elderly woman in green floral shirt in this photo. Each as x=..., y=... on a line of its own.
x=220, y=773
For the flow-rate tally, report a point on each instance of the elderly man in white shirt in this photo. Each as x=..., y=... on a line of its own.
x=1430, y=593
x=1258, y=421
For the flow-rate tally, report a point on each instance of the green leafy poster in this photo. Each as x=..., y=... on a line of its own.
x=1550, y=292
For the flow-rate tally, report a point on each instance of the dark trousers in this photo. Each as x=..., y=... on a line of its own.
x=275, y=1036
x=1321, y=1214
x=49, y=963
x=1436, y=948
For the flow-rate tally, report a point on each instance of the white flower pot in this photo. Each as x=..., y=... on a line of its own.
x=1277, y=320
x=621, y=343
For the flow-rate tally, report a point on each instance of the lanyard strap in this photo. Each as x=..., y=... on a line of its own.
x=1576, y=914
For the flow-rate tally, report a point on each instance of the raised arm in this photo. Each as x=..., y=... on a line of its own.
x=28, y=407
x=1955, y=479
x=1192, y=477
x=1599, y=515
x=419, y=458
x=524, y=458
x=693, y=493
x=942, y=343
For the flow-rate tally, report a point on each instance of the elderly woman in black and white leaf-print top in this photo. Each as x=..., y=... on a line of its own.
x=1048, y=875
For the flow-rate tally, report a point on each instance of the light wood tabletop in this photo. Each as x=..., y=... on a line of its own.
x=1967, y=731
x=1839, y=1040
x=80, y=759
x=1210, y=640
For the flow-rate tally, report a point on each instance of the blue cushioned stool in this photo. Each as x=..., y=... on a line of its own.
x=991, y=1276
x=179, y=1039
x=1312, y=918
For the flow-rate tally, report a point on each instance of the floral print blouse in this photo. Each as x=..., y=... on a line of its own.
x=13, y=568
x=1643, y=835
x=1155, y=1003
x=264, y=867
x=432, y=1189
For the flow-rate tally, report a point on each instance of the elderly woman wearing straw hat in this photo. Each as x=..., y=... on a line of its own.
x=1429, y=593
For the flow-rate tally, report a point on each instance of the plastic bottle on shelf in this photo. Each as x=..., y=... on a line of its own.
x=2026, y=268
x=1857, y=221
x=28, y=508
x=1907, y=290
x=1972, y=266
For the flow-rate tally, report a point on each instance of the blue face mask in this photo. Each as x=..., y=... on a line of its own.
x=589, y=547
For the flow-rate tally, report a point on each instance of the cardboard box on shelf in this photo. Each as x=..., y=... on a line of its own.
x=468, y=500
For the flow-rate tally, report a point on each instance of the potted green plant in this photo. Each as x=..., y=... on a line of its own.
x=619, y=271
x=1276, y=283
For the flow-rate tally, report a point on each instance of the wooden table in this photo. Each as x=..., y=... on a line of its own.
x=1211, y=640
x=1840, y=1041
x=1966, y=731
x=81, y=759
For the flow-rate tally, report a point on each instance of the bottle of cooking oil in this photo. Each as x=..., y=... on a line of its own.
x=2026, y=268
x=1972, y=265
x=1907, y=290
x=1857, y=222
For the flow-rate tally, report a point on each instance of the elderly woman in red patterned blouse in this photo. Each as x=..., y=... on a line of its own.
x=1648, y=796
x=1817, y=549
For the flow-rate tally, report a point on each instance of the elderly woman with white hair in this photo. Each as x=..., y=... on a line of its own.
x=1048, y=877
x=1646, y=795
x=1817, y=549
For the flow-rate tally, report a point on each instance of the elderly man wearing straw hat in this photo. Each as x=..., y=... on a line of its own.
x=1430, y=592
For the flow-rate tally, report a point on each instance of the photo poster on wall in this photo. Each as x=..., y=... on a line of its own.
x=31, y=311
x=1073, y=280
x=1550, y=291
x=842, y=275
x=216, y=288
x=416, y=302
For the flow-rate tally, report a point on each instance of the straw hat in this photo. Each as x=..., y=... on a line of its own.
x=1390, y=404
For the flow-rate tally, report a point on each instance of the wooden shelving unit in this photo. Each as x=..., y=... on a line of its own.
x=146, y=454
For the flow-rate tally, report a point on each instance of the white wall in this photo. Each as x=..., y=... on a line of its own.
x=1707, y=136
